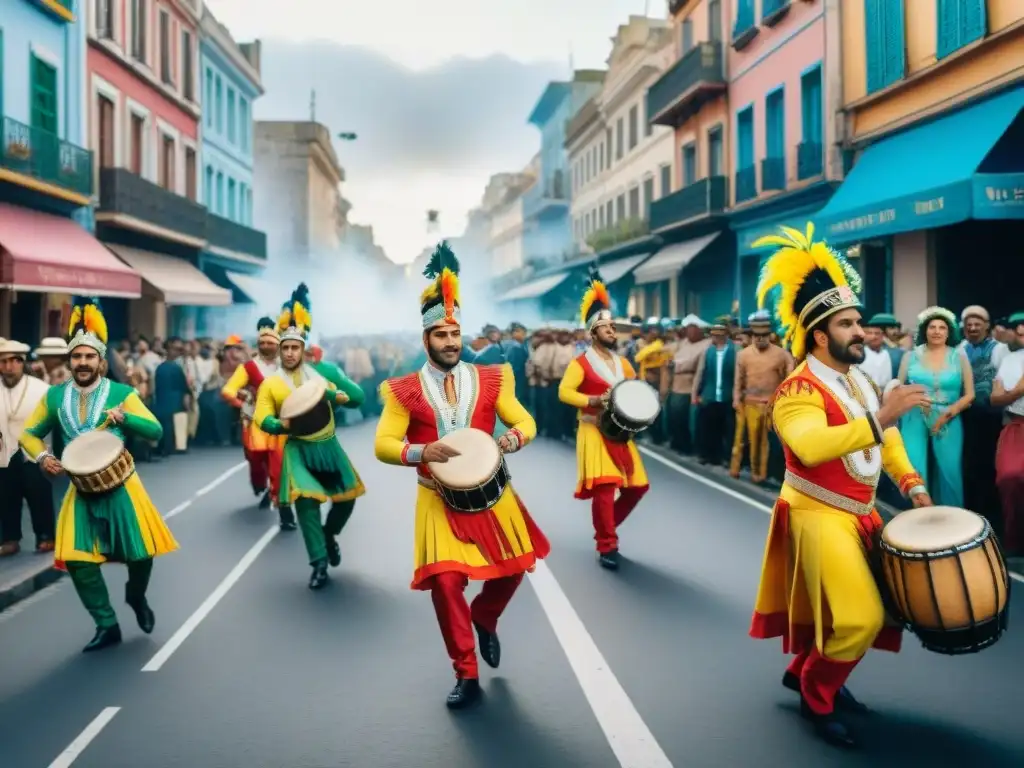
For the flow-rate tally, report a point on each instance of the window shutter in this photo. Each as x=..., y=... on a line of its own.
x=973, y=21
x=947, y=22
x=894, y=42
x=874, y=53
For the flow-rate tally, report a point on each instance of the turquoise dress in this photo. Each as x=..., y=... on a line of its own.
x=945, y=387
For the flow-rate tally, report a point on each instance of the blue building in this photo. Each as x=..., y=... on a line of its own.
x=46, y=174
x=230, y=82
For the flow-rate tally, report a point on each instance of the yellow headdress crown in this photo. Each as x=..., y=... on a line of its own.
x=814, y=283
x=439, y=302
x=295, y=322
x=596, y=306
x=87, y=326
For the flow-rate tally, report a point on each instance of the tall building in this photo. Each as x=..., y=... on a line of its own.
x=505, y=245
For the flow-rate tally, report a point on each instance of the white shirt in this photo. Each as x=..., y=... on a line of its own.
x=16, y=405
x=878, y=366
x=1011, y=371
x=719, y=362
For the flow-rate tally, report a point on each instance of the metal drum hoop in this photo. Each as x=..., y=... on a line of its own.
x=453, y=496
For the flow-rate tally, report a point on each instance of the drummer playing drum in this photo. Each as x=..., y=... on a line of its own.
x=497, y=544
x=604, y=465
x=119, y=523
x=819, y=589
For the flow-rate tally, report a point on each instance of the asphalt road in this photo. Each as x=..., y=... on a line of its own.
x=654, y=659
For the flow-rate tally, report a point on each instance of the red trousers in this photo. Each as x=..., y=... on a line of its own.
x=1010, y=481
x=456, y=617
x=609, y=513
x=820, y=678
x=264, y=469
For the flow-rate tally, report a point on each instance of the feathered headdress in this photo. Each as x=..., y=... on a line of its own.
x=88, y=326
x=266, y=329
x=439, y=302
x=937, y=313
x=596, y=306
x=294, y=323
x=814, y=283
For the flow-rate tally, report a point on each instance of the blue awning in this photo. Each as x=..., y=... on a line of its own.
x=921, y=178
x=748, y=235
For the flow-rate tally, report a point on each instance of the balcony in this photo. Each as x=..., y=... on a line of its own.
x=548, y=197
x=38, y=155
x=773, y=173
x=695, y=79
x=746, y=184
x=231, y=236
x=809, y=160
x=623, y=232
x=582, y=120
x=705, y=197
x=129, y=200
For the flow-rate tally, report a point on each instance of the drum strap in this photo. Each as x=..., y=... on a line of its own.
x=830, y=498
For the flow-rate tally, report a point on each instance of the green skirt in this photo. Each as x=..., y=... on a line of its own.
x=317, y=469
x=108, y=524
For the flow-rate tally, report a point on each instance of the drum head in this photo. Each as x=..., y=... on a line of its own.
x=479, y=458
x=91, y=452
x=304, y=398
x=636, y=400
x=932, y=529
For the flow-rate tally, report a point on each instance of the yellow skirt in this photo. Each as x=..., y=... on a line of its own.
x=438, y=550
x=595, y=465
x=155, y=533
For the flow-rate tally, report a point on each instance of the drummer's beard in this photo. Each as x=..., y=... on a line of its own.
x=844, y=353
x=85, y=375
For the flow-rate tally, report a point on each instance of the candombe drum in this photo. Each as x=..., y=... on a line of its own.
x=633, y=406
x=474, y=480
x=97, y=462
x=946, y=577
x=306, y=410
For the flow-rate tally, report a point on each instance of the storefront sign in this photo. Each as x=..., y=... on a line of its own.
x=999, y=195
x=36, y=275
x=946, y=205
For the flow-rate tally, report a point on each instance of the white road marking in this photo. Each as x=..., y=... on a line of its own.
x=203, y=491
x=675, y=466
x=78, y=746
x=629, y=737
x=210, y=603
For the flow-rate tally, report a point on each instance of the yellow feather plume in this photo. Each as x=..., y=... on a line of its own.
x=95, y=323
x=301, y=316
x=430, y=293
x=76, y=318
x=284, y=320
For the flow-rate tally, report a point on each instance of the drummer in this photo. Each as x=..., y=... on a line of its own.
x=496, y=546
x=122, y=525
x=315, y=468
x=818, y=592
x=262, y=451
x=604, y=466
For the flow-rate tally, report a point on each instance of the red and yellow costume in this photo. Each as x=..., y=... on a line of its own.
x=603, y=466
x=496, y=546
x=818, y=591
x=262, y=450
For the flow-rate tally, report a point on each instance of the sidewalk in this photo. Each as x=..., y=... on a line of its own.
x=26, y=573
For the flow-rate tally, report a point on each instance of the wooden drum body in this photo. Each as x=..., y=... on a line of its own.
x=474, y=480
x=306, y=409
x=947, y=578
x=97, y=462
x=633, y=406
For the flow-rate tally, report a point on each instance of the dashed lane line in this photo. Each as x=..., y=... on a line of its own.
x=66, y=758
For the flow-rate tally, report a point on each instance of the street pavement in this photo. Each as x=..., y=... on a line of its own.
x=644, y=668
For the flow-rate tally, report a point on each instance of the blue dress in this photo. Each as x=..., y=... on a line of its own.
x=945, y=387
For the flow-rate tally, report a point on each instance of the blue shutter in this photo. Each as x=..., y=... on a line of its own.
x=811, y=105
x=689, y=164
x=973, y=21
x=894, y=41
x=745, y=132
x=948, y=27
x=874, y=51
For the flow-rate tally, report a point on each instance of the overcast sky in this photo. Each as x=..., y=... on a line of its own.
x=439, y=100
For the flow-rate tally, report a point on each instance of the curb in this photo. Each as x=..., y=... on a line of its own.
x=22, y=587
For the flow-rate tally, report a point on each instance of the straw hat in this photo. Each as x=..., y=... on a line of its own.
x=14, y=348
x=52, y=346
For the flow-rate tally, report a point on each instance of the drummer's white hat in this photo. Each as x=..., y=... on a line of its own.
x=10, y=347
x=692, y=319
x=52, y=346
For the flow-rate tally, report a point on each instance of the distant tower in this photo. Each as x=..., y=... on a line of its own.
x=432, y=221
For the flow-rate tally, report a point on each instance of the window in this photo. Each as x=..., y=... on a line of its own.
x=165, y=49
x=188, y=85
x=232, y=136
x=775, y=124
x=138, y=143
x=243, y=213
x=208, y=187
x=165, y=173
x=248, y=206
x=619, y=139
x=220, y=194
x=609, y=216
x=218, y=104
x=243, y=123
x=886, y=42
x=666, y=180
x=634, y=203
x=716, y=162
x=689, y=164
x=687, y=42
x=634, y=126
x=959, y=23
x=600, y=217
x=608, y=148
x=105, y=19
x=745, y=139
x=208, y=99
x=648, y=195
x=43, y=91
x=620, y=208
x=714, y=20
x=190, y=173
x=105, y=119
x=648, y=127
x=232, y=201
x=745, y=17
x=138, y=35
x=1, y=72
x=811, y=107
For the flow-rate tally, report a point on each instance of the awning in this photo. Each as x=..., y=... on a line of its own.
x=251, y=285
x=921, y=178
x=672, y=259
x=750, y=234
x=535, y=288
x=178, y=282
x=616, y=270
x=43, y=253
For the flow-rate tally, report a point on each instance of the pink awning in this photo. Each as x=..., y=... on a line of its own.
x=43, y=253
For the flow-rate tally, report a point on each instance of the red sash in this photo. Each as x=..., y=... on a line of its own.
x=255, y=375
x=593, y=385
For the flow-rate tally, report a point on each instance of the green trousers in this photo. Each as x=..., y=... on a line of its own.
x=307, y=512
x=92, y=589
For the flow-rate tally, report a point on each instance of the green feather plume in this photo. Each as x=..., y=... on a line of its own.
x=442, y=257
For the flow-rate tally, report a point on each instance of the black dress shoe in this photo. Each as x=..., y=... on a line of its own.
x=287, y=517
x=829, y=728
x=264, y=499
x=318, y=579
x=143, y=615
x=463, y=694
x=845, y=700
x=490, y=647
x=104, y=638
x=333, y=550
x=609, y=560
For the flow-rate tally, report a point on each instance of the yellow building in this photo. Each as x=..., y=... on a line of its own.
x=933, y=92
